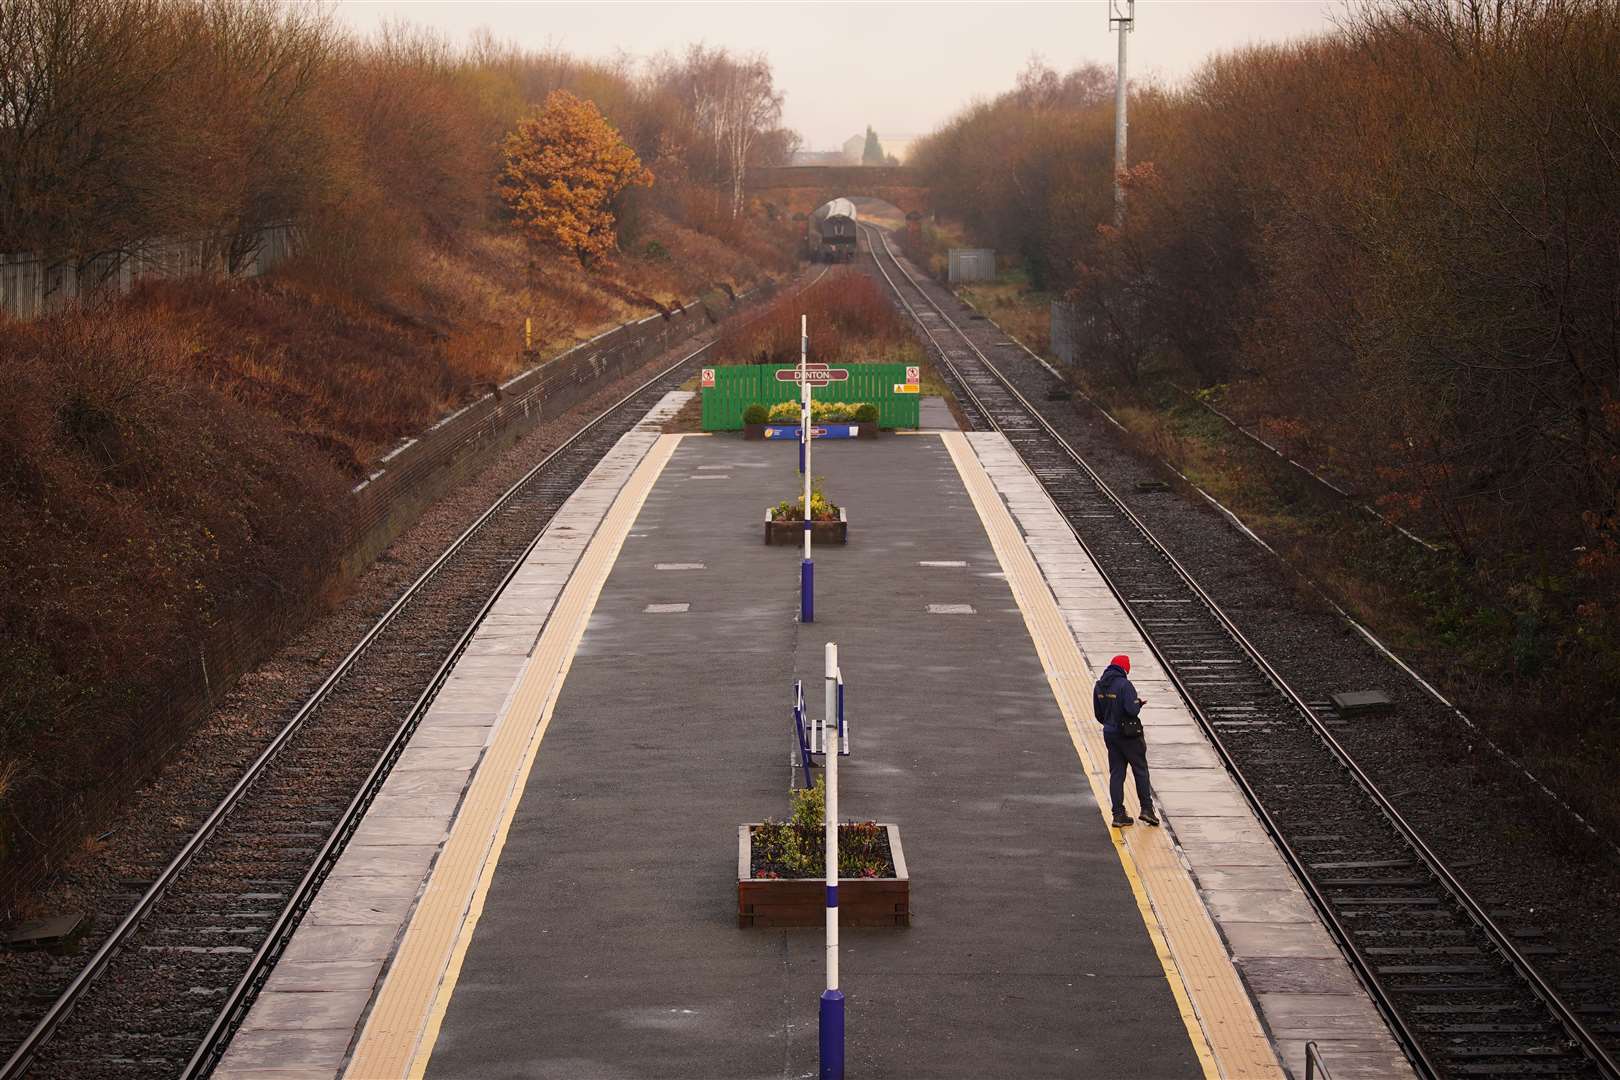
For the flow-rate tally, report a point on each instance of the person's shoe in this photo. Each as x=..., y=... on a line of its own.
x=1123, y=819
x=1150, y=818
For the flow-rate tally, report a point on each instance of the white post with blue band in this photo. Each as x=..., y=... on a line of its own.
x=807, y=573
x=832, y=999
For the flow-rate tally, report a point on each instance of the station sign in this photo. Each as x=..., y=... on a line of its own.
x=707, y=379
x=814, y=374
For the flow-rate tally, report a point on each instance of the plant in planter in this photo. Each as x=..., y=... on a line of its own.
x=797, y=847
x=864, y=414
x=781, y=869
x=793, y=509
x=829, y=524
x=754, y=419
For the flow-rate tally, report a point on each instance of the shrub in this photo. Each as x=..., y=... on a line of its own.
x=851, y=320
x=839, y=412
x=832, y=412
x=756, y=414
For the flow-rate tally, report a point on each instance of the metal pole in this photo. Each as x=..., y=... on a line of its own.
x=807, y=570
x=1126, y=23
x=832, y=999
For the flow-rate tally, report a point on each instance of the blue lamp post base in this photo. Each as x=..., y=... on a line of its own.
x=832, y=1035
x=807, y=591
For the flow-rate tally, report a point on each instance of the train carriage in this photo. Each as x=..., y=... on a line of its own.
x=831, y=231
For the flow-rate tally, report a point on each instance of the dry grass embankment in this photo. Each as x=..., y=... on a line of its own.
x=851, y=320
x=177, y=465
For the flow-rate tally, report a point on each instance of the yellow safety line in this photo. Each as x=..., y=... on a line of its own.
x=400, y=1033
x=1218, y=1014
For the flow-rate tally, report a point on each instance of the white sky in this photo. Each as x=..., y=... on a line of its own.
x=901, y=67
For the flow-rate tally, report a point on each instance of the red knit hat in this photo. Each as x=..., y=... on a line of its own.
x=1122, y=662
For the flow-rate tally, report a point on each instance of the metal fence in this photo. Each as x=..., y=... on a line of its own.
x=33, y=284
x=405, y=484
x=740, y=385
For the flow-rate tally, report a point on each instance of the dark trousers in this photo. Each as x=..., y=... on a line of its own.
x=1123, y=752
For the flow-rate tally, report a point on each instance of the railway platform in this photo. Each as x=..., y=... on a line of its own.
x=545, y=887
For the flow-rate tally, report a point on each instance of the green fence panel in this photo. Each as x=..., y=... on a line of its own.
x=740, y=385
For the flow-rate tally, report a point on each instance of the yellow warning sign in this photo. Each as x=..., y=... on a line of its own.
x=907, y=388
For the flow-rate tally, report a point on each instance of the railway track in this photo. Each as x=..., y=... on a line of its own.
x=1465, y=996
x=166, y=989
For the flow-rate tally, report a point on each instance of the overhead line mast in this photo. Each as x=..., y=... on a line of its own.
x=1121, y=15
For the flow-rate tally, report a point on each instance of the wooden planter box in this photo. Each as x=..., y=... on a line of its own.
x=821, y=532
x=779, y=902
x=754, y=431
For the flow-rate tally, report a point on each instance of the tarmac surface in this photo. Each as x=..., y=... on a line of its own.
x=608, y=943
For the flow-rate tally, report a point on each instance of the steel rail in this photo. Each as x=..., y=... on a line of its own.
x=17, y=1064
x=1470, y=906
x=1319, y=900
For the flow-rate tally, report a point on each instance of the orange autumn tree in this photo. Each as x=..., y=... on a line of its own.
x=561, y=170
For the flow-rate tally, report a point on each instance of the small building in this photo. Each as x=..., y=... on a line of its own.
x=972, y=264
x=1065, y=332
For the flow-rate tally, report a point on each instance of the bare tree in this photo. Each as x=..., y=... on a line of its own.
x=733, y=103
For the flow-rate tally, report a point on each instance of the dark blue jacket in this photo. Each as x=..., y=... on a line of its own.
x=1114, y=697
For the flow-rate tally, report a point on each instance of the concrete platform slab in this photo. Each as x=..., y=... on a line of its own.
x=316, y=944
x=613, y=897
x=1261, y=940
x=1287, y=959
x=355, y=924
x=602, y=883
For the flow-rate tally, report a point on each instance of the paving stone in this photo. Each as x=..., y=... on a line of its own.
x=1258, y=906
x=1260, y=940
x=1299, y=975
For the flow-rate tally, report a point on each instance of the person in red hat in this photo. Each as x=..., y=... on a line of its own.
x=1119, y=710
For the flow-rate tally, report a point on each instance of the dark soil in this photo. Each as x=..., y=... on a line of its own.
x=761, y=865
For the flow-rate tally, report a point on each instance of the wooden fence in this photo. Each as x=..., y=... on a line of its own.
x=738, y=386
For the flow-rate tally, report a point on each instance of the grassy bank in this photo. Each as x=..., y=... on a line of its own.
x=176, y=474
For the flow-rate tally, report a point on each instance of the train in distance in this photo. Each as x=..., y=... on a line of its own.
x=829, y=233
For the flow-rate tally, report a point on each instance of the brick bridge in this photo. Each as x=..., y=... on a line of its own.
x=794, y=189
